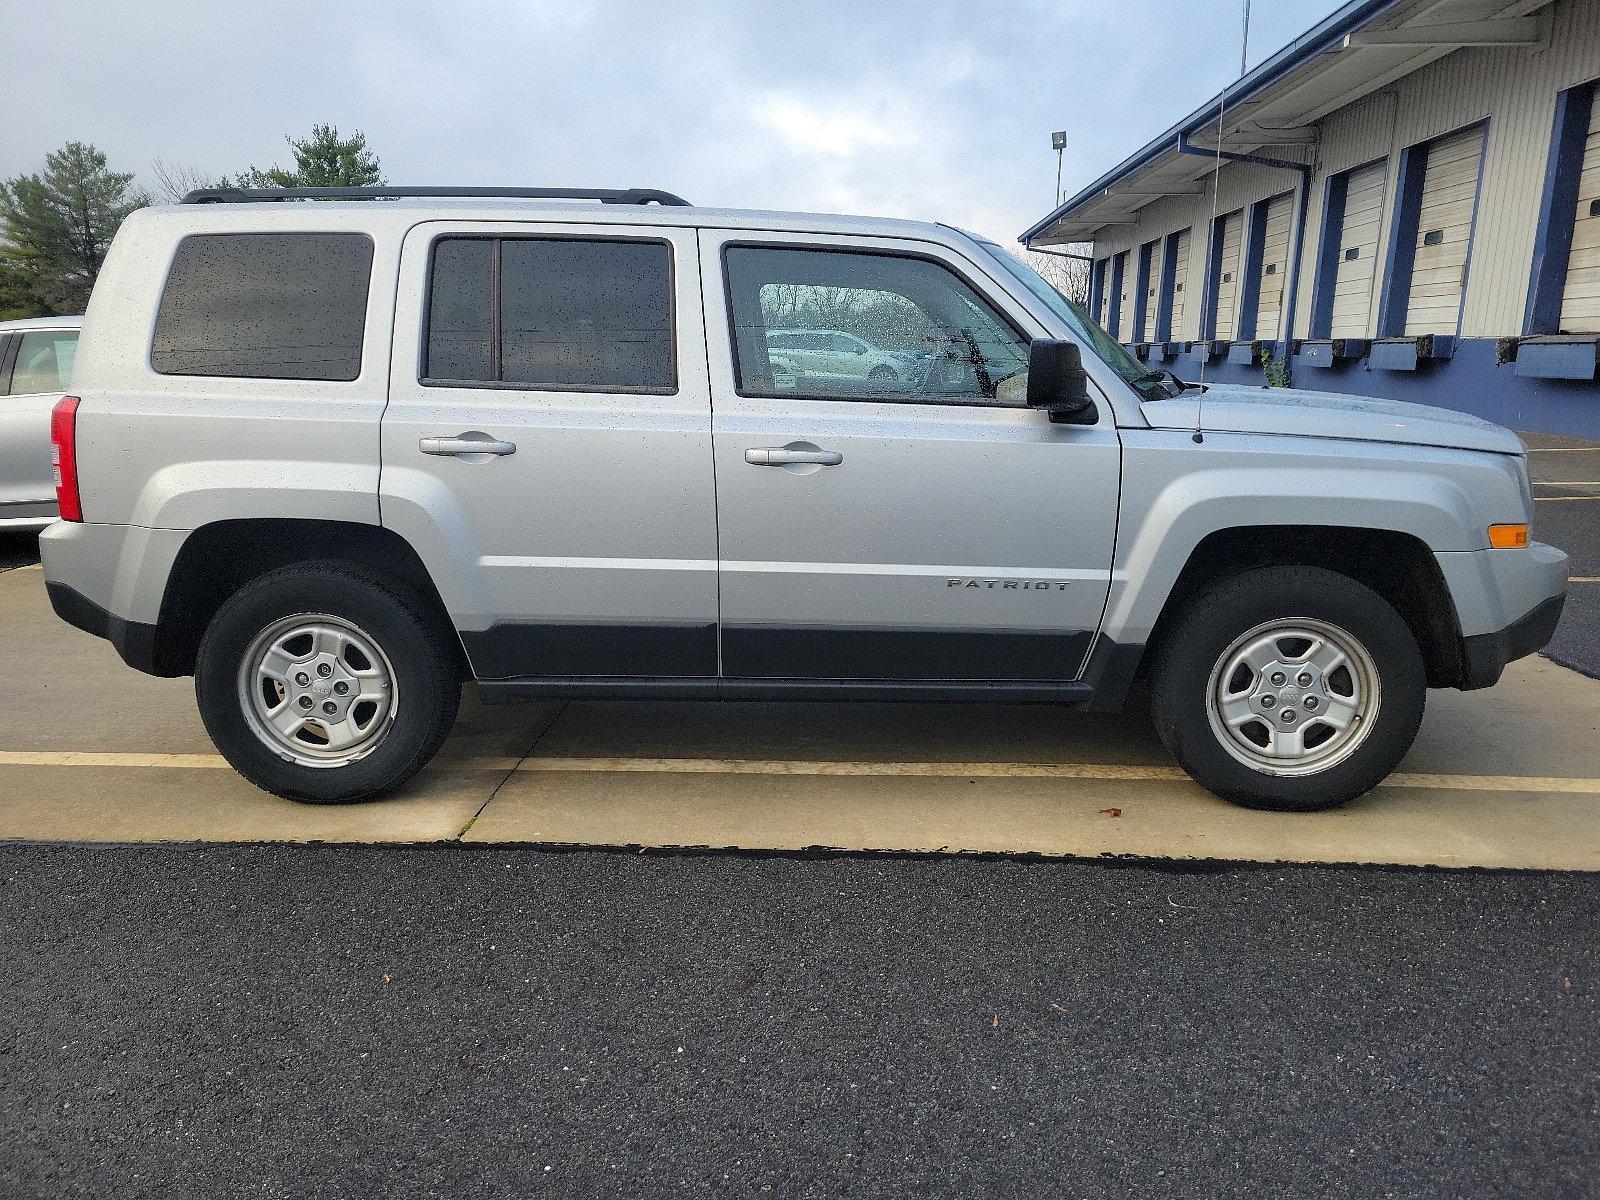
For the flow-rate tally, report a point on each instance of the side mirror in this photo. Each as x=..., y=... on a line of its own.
x=1058, y=383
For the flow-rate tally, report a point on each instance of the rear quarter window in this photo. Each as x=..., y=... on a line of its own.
x=265, y=306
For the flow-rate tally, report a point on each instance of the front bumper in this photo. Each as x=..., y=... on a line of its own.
x=1485, y=656
x=1507, y=604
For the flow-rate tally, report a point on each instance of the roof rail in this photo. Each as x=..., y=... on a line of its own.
x=236, y=195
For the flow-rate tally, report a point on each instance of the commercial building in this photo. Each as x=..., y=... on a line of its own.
x=1407, y=204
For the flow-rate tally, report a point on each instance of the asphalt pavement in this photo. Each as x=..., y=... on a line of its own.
x=342, y=1021
x=1566, y=473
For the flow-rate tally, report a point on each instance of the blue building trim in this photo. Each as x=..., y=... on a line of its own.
x=1119, y=266
x=1141, y=306
x=1468, y=382
x=1335, y=189
x=1208, y=301
x=1402, y=251
x=1097, y=274
x=1169, y=270
x=1255, y=241
x=1552, y=245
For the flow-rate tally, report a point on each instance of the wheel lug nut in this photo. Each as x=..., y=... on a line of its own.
x=305, y=701
x=324, y=669
x=329, y=707
x=1288, y=716
x=302, y=679
x=1310, y=703
x=341, y=688
x=1279, y=679
x=1268, y=701
x=1303, y=679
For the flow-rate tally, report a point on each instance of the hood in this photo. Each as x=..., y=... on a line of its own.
x=1236, y=408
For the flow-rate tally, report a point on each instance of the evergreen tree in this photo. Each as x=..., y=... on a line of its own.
x=322, y=160
x=57, y=228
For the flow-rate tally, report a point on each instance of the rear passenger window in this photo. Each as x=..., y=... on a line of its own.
x=265, y=306
x=551, y=314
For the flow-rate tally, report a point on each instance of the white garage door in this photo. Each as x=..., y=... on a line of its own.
x=1180, y=276
x=1228, y=276
x=1358, y=251
x=1444, y=229
x=1152, y=289
x=1580, y=300
x=1274, y=266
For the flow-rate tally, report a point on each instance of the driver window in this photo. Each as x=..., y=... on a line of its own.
x=888, y=326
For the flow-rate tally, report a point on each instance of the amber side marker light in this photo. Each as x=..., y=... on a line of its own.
x=1508, y=537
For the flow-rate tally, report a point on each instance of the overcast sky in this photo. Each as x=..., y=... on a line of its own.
x=919, y=108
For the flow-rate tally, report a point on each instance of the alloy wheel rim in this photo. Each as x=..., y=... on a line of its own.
x=317, y=690
x=1294, y=696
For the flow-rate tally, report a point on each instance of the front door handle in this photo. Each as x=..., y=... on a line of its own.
x=778, y=456
x=466, y=444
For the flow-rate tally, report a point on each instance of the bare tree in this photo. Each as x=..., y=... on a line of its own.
x=1069, y=276
x=174, y=181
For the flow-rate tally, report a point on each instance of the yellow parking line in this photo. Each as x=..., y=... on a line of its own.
x=1543, y=499
x=1583, y=579
x=783, y=766
x=94, y=758
x=967, y=770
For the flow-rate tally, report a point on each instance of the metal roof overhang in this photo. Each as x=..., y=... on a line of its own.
x=1362, y=47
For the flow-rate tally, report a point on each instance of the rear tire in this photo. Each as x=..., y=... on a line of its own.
x=325, y=683
x=1288, y=688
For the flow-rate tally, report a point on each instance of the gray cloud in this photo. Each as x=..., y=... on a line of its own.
x=937, y=110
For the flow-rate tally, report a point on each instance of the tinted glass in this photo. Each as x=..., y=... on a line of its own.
x=574, y=315
x=909, y=329
x=44, y=361
x=265, y=306
x=1083, y=326
x=461, y=310
x=589, y=315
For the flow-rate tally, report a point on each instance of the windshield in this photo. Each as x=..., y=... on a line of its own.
x=1148, y=384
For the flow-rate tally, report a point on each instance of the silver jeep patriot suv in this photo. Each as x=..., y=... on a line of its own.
x=334, y=458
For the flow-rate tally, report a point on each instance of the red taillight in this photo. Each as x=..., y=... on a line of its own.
x=64, y=454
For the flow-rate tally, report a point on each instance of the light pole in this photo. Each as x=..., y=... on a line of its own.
x=1058, y=143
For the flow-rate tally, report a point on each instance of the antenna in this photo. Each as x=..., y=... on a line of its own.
x=1216, y=185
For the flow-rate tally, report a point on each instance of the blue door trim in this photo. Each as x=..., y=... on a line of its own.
x=1402, y=250
x=1552, y=245
x=1250, y=270
x=1169, y=269
x=1208, y=315
x=1141, y=299
x=1097, y=274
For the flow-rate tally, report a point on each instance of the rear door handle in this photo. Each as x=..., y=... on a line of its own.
x=465, y=444
x=777, y=456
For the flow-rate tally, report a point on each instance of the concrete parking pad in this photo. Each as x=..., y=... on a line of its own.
x=92, y=751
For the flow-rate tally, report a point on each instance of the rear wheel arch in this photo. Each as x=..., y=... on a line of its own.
x=218, y=559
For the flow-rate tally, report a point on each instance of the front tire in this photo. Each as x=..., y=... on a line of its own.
x=324, y=683
x=1288, y=688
